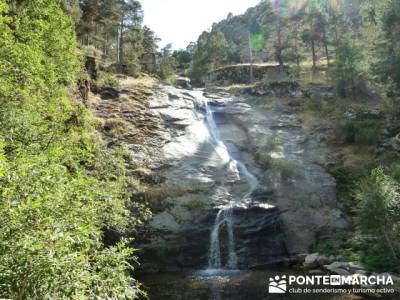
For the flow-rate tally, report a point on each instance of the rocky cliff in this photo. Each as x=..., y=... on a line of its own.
x=170, y=146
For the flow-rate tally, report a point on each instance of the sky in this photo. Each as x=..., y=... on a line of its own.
x=182, y=21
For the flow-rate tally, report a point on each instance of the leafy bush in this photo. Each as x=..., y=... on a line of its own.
x=375, y=255
x=348, y=72
x=339, y=244
x=211, y=51
x=378, y=215
x=364, y=132
x=60, y=187
x=168, y=64
x=395, y=171
x=264, y=159
x=272, y=143
x=107, y=79
x=284, y=166
x=315, y=104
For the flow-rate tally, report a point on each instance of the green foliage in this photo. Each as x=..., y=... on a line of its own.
x=375, y=255
x=272, y=143
x=257, y=41
x=107, y=79
x=395, y=171
x=283, y=166
x=378, y=215
x=183, y=57
x=348, y=72
x=339, y=244
x=211, y=51
x=389, y=67
x=168, y=67
x=345, y=183
x=168, y=63
x=376, y=203
x=115, y=29
x=59, y=186
x=363, y=132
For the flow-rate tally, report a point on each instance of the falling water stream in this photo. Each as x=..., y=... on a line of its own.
x=224, y=218
x=221, y=278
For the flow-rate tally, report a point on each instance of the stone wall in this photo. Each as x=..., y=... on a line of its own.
x=242, y=73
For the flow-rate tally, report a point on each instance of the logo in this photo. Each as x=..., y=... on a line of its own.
x=280, y=284
x=277, y=285
x=335, y=280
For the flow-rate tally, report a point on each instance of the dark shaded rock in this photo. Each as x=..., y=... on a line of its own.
x=321, y=90
x=108, y=93
x=262, y=194
x=186, y=248
x=259, y=239
x=183, y=82
x=173, y=96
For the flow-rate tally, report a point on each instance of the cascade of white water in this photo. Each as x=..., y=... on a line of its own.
x=224, y=218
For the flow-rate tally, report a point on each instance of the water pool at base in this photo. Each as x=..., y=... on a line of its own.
x=225, y=285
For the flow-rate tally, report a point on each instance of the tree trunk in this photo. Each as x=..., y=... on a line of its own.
x=279, y=48
x=325, y=45
x=314, y=59
x=118, y=60
x=296, y=48
x=251, y=59
x=121, y=44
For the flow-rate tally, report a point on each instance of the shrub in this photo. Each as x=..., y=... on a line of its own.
x=283, y=166
x=338, y=244
x=286, y=168
x=59, y=185
x=395, y=171
x=263, y=159
x=116, y=127
x=272, y=143
x=347, y=72
x=375, y=255
x=364, y=132
x=168, y=67
x=378, y=215
x=107, y=79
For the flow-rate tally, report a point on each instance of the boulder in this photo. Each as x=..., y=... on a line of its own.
x=345, y=268
x=311, y=260
x=337, y=270
x=316, y=272
x=323, y=260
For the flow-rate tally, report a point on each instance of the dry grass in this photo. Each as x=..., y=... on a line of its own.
x=144, y=81
x=117, y=127
x=154, y=195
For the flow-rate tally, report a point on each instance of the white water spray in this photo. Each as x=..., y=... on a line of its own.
x=224, y=218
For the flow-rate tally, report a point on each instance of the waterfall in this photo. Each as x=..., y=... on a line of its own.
x=224, y=218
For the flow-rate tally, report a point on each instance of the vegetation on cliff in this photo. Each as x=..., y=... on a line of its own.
x=352, y=46
x=60, y=186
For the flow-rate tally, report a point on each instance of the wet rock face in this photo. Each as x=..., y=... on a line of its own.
x=183, y=248
x=258, y=237
x=283, y=215
x=303, y=191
